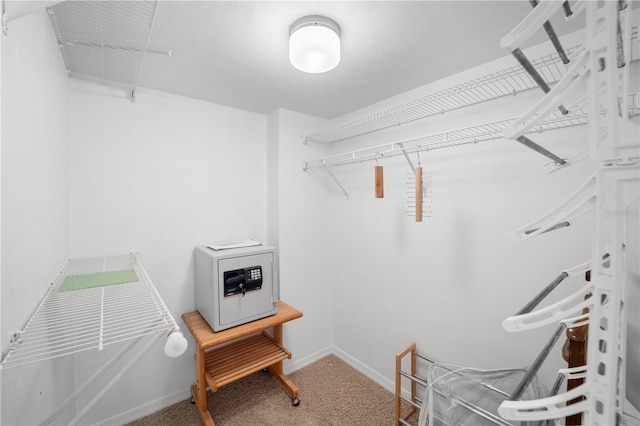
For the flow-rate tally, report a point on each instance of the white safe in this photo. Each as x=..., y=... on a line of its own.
x=235, y=286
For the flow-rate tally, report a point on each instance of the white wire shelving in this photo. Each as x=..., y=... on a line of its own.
x=96, y=313
x=507, y=81
x=68, y=322
x=104, y=41
x=464, y=136
x=489, y=87
x=468, y=135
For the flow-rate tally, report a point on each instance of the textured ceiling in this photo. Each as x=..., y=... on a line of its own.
x=235, y=52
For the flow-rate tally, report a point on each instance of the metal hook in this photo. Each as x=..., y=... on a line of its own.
x=376, y=157
x=418, y=154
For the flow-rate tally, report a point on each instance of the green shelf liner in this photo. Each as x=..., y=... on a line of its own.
x=98, y=279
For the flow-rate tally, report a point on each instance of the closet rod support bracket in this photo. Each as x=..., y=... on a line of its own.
x=346, y=194
x=406, y=156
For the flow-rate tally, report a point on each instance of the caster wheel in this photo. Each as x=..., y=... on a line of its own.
x=265, y=370
x=193, y=401
x=295, y=402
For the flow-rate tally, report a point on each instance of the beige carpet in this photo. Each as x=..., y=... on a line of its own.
x=331, y=393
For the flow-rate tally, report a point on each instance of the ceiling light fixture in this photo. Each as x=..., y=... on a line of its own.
x=314, y=44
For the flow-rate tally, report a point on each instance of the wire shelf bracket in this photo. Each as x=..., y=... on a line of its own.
x=344, y=191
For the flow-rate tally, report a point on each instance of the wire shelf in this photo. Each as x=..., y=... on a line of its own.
x=507, y=81
x=104, y=40
x=464, y=136
x=68, y=322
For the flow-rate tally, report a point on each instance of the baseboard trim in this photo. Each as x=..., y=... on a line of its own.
x=146, y=409
x=365, y=369
x=175, y=397
x=290, y=367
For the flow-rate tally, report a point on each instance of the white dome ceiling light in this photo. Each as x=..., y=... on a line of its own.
x=314, y=44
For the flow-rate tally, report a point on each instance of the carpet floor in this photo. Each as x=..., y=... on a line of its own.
x=332, y=393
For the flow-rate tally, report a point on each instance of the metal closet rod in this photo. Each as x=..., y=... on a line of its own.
x=464, y=136
x=525, y=29
x=464, y=403
x=576, y=270
x=535, y=366
x=468, y=135
x=552, y=34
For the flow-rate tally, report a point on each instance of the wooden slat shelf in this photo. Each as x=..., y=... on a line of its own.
x=228, y=355
x=241, y=358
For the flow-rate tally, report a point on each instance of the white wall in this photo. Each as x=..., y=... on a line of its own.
x=448, y=282
x=273, y=193
x=35, y=202
x=161, y=176
x=164, y=174
x=304, y=241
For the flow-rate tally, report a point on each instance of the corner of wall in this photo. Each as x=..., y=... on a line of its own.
x=35, y=208
x=273, y=142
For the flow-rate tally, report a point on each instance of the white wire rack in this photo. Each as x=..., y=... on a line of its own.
x=468, y=135
x=68, y=322
x=105, y=41
x=464, y=136
x=507, y=81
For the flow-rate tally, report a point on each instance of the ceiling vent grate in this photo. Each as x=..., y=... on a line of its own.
x=104, y=41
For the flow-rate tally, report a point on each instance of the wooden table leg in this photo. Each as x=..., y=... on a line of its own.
x=277, y=370
x=199, y=391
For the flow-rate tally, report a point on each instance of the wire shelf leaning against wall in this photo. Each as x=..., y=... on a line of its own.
x=93, y=303
x=120, y=304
